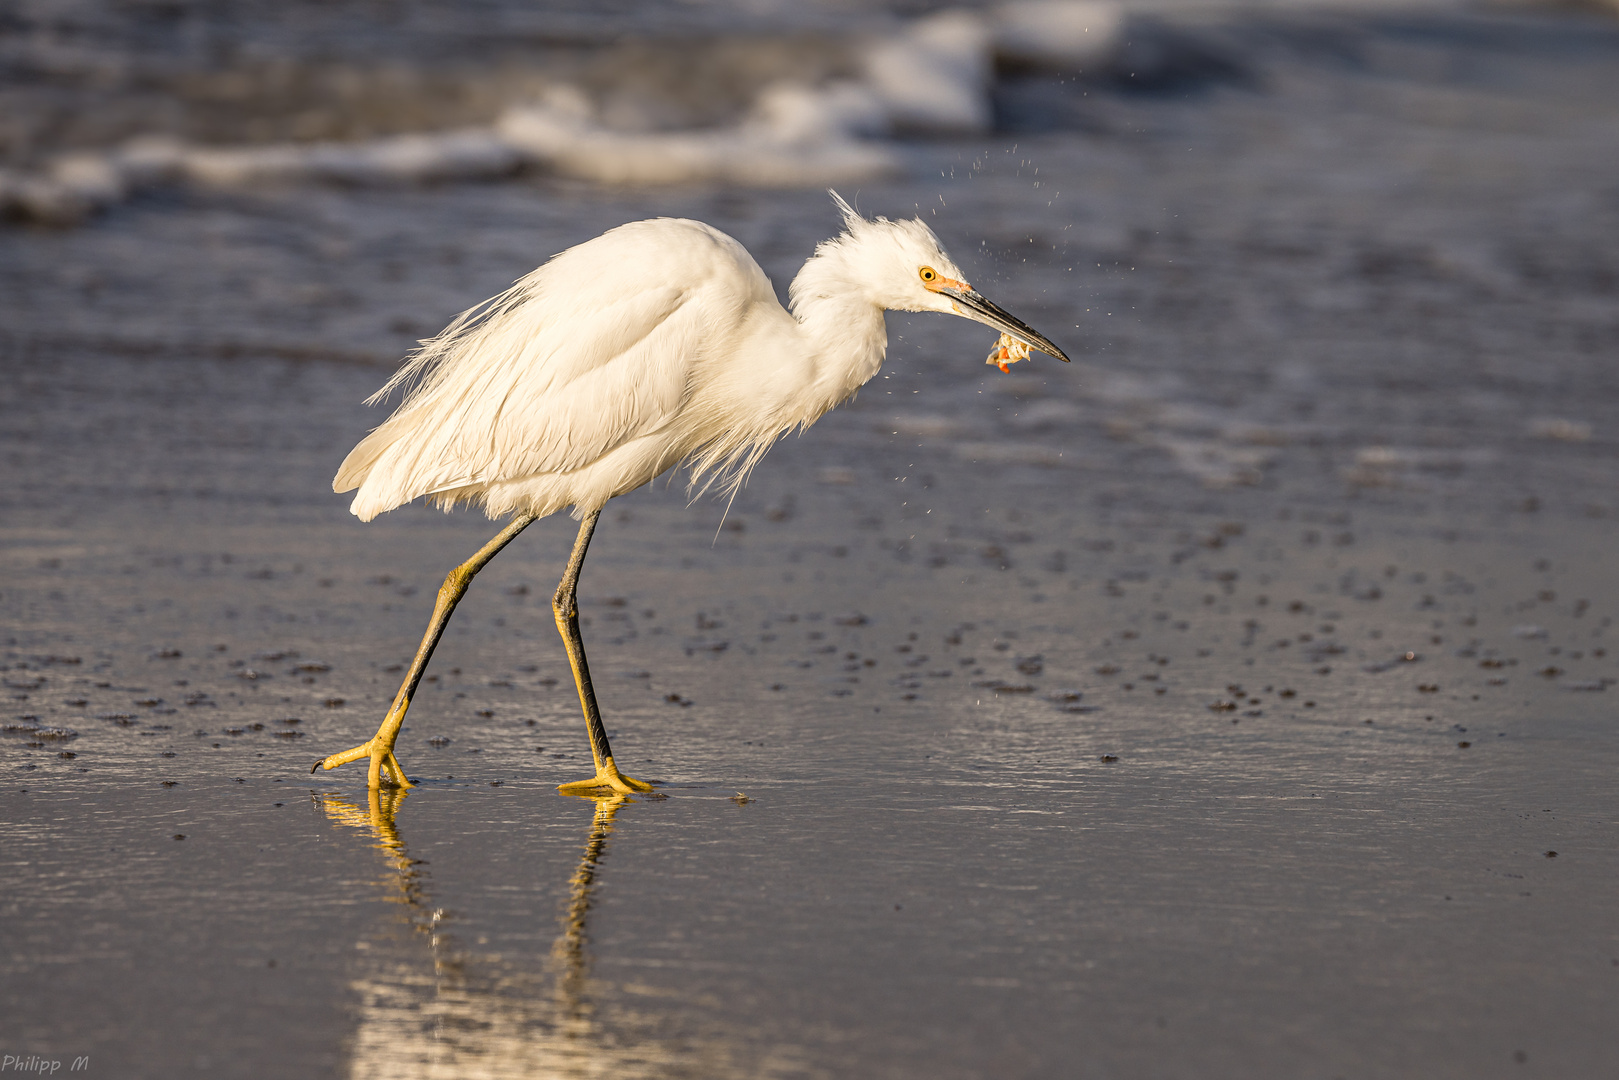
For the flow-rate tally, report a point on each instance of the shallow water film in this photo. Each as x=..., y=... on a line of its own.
x=1235, y=701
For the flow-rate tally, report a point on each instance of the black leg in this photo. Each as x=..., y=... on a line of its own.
x=565, y=607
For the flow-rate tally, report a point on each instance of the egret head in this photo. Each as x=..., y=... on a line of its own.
x=904, y=267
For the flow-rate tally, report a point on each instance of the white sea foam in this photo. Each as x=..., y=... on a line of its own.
x=80, y=184
x=1073, y=33
x=932, y=76
x=74, y=187
x=796, y=135
x=450, y=155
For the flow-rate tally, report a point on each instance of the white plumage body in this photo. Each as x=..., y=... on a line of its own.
x=573, y=388
x=659, y=342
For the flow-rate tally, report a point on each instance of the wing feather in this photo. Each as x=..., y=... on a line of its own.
x=547, y=378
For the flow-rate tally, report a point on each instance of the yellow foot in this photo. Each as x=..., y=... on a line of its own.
x=607, y=778
x=385, y=768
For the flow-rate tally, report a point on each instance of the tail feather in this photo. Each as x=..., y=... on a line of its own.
x=364, y=459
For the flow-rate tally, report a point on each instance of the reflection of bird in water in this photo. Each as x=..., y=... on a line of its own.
x=568, y=953
x=379, y=822
x=655, y=344
x=483, y=1016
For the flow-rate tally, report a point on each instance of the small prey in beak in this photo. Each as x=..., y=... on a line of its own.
x=1007, y=351
x=1017, y=337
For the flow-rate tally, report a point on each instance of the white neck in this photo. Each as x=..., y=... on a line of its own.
x=832, y=344
x=843, y=326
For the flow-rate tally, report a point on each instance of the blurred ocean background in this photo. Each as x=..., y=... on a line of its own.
x=1366, y=246
x=102, y=99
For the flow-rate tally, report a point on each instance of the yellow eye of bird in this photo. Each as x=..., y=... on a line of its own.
x=929, y=274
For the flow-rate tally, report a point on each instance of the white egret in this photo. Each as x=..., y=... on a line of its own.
x=659, y=343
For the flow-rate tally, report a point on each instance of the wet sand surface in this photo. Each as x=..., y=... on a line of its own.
x=1237, y=701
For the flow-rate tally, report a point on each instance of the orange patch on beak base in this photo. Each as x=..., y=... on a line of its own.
x=941, y=284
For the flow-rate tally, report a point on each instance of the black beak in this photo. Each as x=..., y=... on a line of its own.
x=972, y=305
